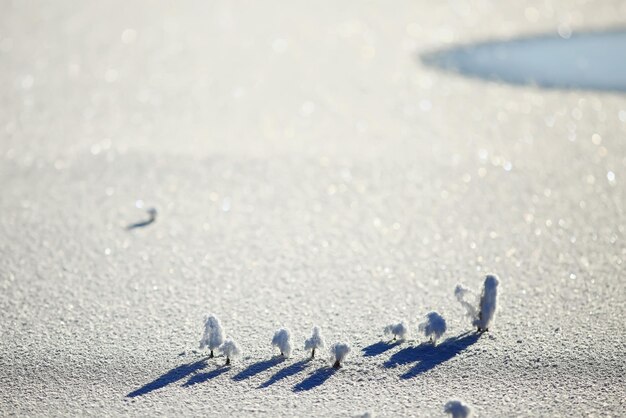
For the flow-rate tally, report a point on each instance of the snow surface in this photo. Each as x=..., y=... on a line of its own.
x=307, y=168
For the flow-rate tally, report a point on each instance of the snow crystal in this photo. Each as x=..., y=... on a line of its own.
x=230, y=349
x=213, y=335
x=488, y=300
x=338, y=352
x=315, y=341
x=282, y=340
x=433, y=327
x=458, y=409
x=461, y=292
x=399, y=330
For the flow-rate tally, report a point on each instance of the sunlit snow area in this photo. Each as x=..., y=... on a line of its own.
x=356, y=166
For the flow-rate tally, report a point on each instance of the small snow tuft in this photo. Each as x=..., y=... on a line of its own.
x=282, y=340
x=399, y=330
x=433, y=327
x=316, y=341
x=230, y=349
x=338, y=352
x=461, y=293
x=458, y=409
x=213, y=335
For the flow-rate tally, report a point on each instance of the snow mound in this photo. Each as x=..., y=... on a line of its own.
x=458, y=409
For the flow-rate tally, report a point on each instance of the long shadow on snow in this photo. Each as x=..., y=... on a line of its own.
x=430, y=356
x=257, y=368
x=295, y=368
x=315, y=379
x=203, y=377
x=172, y=376
x=379, y=348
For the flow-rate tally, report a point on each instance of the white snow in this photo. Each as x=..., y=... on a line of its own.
x=230, y=349
x=338, y=352
x=315, y=341
x=336, y=183
x=488, y=299
x=462, y=293
x=457, y=409
x=433, y=326
x=213, y=335
x=480, y=312
x=282, y=340
x=398, y=330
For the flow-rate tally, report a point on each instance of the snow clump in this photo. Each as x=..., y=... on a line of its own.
x=282, y=340
x=458, y=409
x=338, y=353
x=433, y=327
x=399, y=330
x=315, y=341
x=213, y=335
x=230, y=349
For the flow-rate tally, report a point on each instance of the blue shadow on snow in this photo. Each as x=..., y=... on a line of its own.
x=379, y=348
x=290, y=370
x=203, y=377
x=315, y=379
x=257, y=368
x=172, y=376
x=430, y=356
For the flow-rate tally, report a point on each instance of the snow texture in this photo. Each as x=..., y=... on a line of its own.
x=488, y=299
x=433, y=326
x=213, y=335
x=282, y=340
x=315, y=341
x=307, y=168
x=457, y=409
x=399, y=330
x=338, y=353
x=230, y=349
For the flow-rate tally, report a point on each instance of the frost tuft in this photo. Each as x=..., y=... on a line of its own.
x=282, y=340
x=398, y=331
x=338, y=352
x=458, y=409
x=488, y=299
x=315, y=341
x=433, y=327
x=213, y=335
x=482, y=311
x=230, y=349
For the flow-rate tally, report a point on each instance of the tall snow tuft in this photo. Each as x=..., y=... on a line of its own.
x=338, y=353
x=457, y=409
x=282, y=340
x=230, y=349
x=315, y=341
x=433, y=327
x=488, y=299
x=399, y=330
x=461, y=292
x=213, y=335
